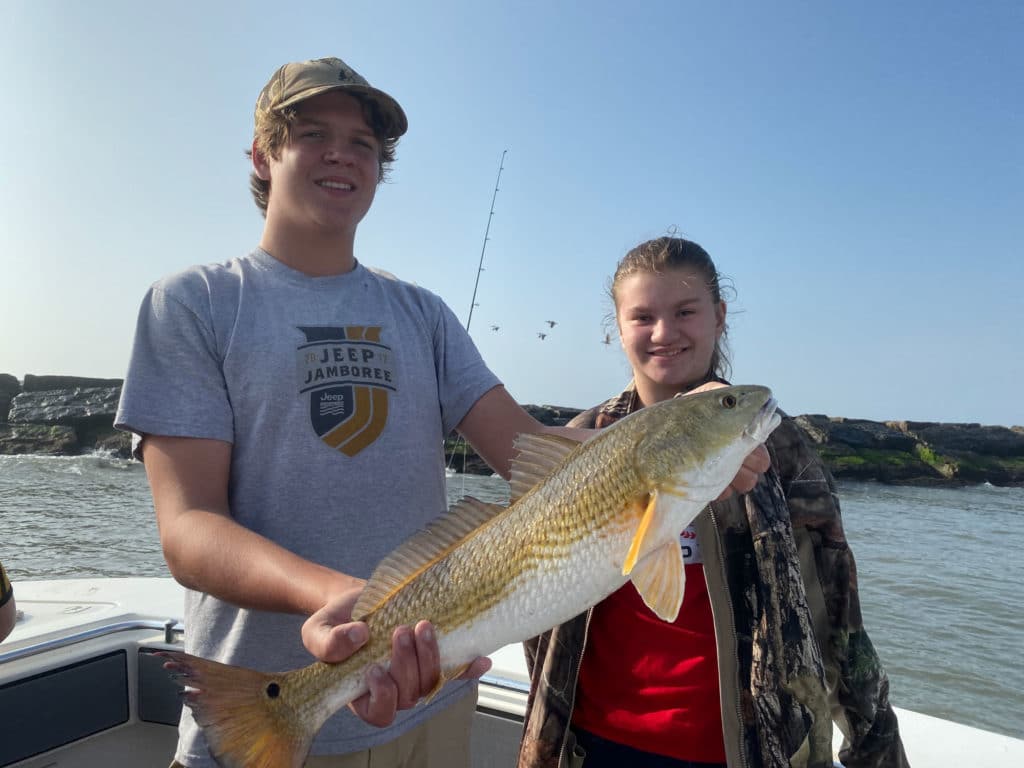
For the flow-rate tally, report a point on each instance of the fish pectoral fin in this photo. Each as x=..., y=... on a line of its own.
x=660, y=578
x=646, y=528
x=674, y=490
x=447, y=675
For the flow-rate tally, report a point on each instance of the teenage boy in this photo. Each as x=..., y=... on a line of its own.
x=290, y=406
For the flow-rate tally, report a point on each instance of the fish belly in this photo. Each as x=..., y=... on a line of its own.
x=549, y=594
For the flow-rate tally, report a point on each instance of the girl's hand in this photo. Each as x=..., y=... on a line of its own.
x=755, y=465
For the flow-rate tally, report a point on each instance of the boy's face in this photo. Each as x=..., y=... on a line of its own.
x=328, y=169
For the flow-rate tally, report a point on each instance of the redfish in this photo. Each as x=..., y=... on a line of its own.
x=584, y=519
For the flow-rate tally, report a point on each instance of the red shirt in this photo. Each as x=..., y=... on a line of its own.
x=649, y=684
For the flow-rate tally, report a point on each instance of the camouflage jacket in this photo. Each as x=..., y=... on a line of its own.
x=783, y=589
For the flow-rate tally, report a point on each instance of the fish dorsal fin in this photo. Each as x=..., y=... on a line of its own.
x=538, y=457
x=421, y=550
x=660, y=578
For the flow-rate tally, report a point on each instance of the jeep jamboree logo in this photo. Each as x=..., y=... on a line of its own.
x=346, y=372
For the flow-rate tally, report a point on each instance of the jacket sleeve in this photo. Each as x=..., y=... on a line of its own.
x=858, y=684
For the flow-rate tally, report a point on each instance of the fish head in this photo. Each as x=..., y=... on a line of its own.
x=701, y=439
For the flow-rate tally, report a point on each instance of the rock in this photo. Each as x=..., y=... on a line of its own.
x=45, y=383
x=884, y=466
x=471, y=465
x=856, y=433
x=72, y=414
x=551, y=415
x=110, y=441
x=65, y=421
x=38, y=438
x=9, y=387
x=966, y=438
x=77, y=406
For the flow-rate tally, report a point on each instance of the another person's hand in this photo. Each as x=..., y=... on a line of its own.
x=415, y=668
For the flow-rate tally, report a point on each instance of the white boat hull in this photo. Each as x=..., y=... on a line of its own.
x=79, y=688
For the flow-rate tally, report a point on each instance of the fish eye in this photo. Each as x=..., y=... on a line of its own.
x=729, y=401
x=273, y=690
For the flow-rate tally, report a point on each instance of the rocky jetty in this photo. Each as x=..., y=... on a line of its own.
x=918, y=452
x=69, y=415
x=60, y=415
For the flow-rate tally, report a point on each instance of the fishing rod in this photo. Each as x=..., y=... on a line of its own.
x=460, y=442
x=487, y=232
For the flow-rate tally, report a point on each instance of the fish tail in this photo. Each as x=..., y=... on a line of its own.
x=246, y=716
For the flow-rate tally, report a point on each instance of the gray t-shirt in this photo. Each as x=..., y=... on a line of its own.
x=336, y=394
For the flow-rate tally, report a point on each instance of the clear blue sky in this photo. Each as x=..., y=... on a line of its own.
x=856, y=169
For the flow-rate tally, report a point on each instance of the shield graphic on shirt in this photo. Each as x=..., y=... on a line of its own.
x=347, y=374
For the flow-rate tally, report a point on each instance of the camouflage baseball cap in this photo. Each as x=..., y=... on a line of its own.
x=301, y=80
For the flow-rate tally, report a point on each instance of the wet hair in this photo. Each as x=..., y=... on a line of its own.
x=274, y=128
x=672, y=253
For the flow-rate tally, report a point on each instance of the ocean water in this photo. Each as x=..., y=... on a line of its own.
x=941, y=571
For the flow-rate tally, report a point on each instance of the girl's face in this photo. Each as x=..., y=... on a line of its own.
x=669, y=325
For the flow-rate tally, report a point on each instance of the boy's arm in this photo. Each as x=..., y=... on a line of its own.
x=208, y=551
x=495, y=419
x=492, y=424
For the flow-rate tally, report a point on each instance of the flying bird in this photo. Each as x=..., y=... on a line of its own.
x=551, y=323
x=541, y=336
x=494, y=327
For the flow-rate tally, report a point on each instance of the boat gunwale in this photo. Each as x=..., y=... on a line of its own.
x=170, y=627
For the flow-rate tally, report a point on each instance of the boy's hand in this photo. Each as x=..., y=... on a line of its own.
x=415, y=668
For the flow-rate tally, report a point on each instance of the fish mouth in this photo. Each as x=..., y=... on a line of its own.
x=765, y=421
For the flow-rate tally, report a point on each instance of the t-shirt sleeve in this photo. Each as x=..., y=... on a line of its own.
x=462, y=376
x=175, y=382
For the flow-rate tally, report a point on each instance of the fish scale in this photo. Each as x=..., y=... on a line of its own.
x=584, y=519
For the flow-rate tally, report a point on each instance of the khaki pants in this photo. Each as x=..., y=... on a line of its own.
x=440, y=742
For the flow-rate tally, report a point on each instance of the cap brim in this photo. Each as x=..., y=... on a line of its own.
x=394, y=116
